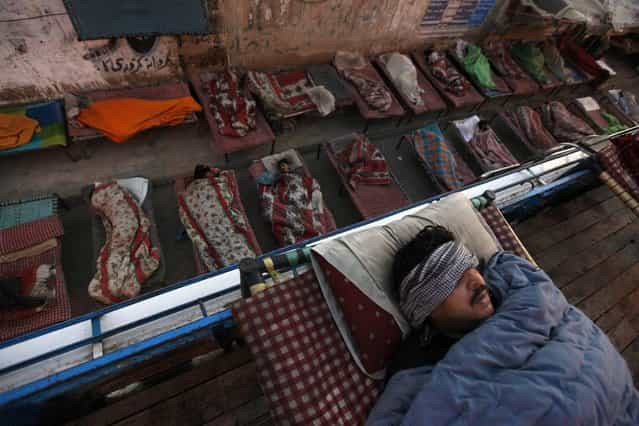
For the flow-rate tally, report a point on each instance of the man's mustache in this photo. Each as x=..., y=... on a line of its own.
x=477, y=294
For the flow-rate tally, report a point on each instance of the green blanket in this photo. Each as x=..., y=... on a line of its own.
x=477, y=65
x=614, y=125
x=531, y=58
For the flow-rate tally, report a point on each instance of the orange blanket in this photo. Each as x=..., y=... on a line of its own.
x=16, y=130
x=121, y=118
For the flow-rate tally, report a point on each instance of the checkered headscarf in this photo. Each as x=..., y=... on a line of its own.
x=429, y=283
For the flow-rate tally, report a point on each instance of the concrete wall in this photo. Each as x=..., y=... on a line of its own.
x=40, y=56
x=266, y=33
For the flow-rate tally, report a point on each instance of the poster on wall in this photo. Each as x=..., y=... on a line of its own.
x=457, y=12
x=95, y=19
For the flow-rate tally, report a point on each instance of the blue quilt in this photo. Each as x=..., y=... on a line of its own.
x=537, y=361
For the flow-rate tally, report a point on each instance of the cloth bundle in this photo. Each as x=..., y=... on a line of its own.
x=529, y=122
x=16, y=130
x=121, y=118
x=627, y=102
x=446, y=73
x=127, y=258
x=614, y=125
x=362, y=162
x=489, y=151
x=294, y=206
x=355, y=68
x=404, y=76
x=283, y=93
x=234, y=112
x=373, y=91
x=563, y=125
x=434, y=150
x=501, y=60
x=530, y=58
x=216, y=227
x=323, y=99
x=475, y=63
x=580, y=56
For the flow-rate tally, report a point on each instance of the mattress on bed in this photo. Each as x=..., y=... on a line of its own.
x=229, y=144
x=431, y=101
x=469, y=98
x=370, y=200
x=158, y=92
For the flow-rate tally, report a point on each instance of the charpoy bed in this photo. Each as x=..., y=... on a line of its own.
x=383, y=194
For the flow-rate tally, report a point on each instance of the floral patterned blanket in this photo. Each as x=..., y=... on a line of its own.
x=214, y=222
x=234, y=112
x=294, y=206
x=127, y=258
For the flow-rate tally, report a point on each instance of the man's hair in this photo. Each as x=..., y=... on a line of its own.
x=420, y=248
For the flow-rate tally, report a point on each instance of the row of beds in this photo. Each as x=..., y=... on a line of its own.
x=346, y=394
x=366, y=198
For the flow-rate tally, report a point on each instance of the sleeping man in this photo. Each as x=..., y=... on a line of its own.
x=496, y=345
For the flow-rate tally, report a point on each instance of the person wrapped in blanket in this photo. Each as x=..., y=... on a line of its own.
x=208, y=209
x=627, y=102
x=564, y=126
x=501, y=60
x=531, y=58
x=292, y=202
x=128, y=257
x=439, y=158
x=446, y=73
x=362, y=162
x=230, y=104
x=475, y=64
x=488, y=150
x=529, y=123
x=486, y=337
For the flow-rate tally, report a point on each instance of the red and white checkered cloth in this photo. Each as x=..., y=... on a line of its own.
x=305, y=370
x=29, y=234
x=59, y=310
x=504, y=233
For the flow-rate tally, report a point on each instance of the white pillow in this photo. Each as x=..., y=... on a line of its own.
x=290, y=155
x=366, y=258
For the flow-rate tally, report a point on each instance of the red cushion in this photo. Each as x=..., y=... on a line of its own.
x=375, y=332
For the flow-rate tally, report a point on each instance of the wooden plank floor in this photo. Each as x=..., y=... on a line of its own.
x=587, y=244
